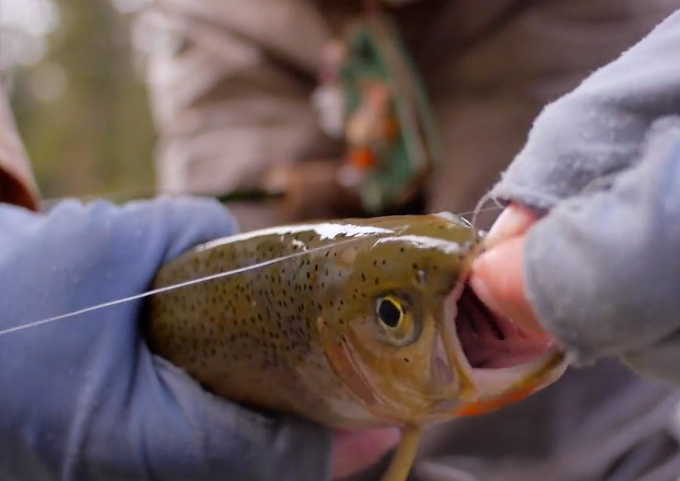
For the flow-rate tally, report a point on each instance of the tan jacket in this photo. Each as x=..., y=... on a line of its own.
x=17, y=185
x=231, y=81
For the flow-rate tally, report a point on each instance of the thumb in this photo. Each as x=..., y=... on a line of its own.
x=498, y=280
x=514, y=221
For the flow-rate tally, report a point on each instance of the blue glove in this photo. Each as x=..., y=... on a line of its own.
x=83, y=399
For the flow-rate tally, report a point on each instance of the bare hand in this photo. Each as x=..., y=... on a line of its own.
x=497, y=275
x=355, y=451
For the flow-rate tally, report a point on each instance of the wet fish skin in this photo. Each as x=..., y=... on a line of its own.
x=277, y=336
x=305, y=331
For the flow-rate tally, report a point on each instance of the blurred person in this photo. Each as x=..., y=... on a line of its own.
x=231, y=86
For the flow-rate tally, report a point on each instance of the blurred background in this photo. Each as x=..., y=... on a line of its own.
x=77, y=93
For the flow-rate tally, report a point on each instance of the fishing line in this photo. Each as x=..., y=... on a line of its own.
x=200, y=280
x=180, y=285
x=478, y=208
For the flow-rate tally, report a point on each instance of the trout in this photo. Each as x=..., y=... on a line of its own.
x=354, y=324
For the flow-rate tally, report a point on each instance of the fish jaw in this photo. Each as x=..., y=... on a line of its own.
x=496, y=362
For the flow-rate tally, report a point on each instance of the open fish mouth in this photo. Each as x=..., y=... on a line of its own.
x=489, y=341
x=494, y=352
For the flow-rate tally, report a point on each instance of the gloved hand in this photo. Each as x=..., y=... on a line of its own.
x=600, y=271
x=82, y=399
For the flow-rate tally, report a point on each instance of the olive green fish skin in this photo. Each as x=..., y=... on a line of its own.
x=255, y=336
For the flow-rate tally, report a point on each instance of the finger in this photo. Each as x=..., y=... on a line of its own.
x=498, y=280
x=355, y=451
x=218, y=439
x=513, y=221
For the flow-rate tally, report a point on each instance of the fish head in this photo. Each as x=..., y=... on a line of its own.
x=409, y=337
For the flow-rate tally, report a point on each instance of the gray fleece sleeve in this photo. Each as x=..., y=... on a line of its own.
x=598, y=129
x=603, y=266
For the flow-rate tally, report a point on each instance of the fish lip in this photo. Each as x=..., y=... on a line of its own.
x=543, y=368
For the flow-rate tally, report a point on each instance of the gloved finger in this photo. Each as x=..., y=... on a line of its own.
x=182, y=222
x=188, y=433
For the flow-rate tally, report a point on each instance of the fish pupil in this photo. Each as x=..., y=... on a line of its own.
x=389, y=313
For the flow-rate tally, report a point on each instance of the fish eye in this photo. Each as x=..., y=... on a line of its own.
x=390, y=312
x=397, y=321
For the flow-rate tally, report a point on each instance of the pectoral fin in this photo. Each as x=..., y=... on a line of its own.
x=402, y=462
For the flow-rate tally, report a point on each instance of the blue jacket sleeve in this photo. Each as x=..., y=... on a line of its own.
x=83, y=399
